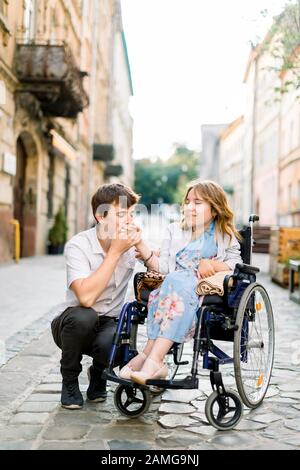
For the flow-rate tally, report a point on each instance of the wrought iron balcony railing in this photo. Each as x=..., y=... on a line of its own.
x=50, y=73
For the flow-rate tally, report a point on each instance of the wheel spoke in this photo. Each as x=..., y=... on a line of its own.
x=231, y=409
x=254, y=341
x=220, y=415
x=137, y=400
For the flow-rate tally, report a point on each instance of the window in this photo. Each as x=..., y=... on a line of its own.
x=299, y=194
x=4, y=29
x=29, y=19
x=3, y=7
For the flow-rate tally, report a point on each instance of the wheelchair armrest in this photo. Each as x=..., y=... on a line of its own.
x=241, y=271
x=227, y=283
x=246, y=268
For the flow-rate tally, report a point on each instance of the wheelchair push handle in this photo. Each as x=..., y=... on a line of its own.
x=253, y=218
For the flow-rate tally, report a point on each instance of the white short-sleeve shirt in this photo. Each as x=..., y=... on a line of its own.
x=84, y=255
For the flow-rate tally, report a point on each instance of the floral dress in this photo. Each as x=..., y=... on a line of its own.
x=172, y=308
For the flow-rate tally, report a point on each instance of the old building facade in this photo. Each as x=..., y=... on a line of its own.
x=56, y=114
x=209, y=167
x=231, y=165
x=270, y=158
x=289, y=159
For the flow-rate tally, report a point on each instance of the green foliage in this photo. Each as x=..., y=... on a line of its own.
x=283, y=44
x=164, y=181
x=286, y=261
x=58, y=232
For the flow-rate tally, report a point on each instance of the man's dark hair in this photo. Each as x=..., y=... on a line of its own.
x=115, y=193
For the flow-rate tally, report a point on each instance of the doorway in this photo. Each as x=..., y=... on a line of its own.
x=25, y=193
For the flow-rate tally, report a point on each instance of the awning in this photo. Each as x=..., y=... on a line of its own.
x=62, y=146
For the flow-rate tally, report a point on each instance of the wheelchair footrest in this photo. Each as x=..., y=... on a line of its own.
x=188, y=382
x=112, y=377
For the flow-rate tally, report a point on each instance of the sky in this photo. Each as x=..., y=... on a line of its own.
x=188, y=59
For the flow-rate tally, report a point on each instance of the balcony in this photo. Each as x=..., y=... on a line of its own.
x=113, y=170
x=103, y=153
x=50, y=73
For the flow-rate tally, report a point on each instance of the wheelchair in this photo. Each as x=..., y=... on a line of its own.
x=243, y=316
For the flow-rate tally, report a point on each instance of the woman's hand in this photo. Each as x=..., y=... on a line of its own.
x=125, y=239
x=139, y=256
x=129, y=229
x=205, y=269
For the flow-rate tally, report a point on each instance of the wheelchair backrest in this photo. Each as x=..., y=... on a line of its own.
x=245, y=244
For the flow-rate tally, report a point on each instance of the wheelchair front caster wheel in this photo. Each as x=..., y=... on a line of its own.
x=132, y=401
x=224, y=412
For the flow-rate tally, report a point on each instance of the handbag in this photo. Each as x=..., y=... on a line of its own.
x=145, y=282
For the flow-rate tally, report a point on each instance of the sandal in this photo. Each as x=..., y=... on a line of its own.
x=126, y=371
x=141, y=377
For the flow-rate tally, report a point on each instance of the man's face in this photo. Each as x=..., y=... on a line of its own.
x=116, y=218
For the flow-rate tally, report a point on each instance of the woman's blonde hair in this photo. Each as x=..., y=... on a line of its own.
x=214, y=194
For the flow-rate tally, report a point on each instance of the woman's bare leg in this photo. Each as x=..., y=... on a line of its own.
x=137, y=361
x=149, y=345
x=158, y=352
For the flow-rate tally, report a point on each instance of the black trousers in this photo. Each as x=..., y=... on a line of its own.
x=78, y=331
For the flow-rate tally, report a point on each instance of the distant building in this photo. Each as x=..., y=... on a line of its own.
x=263, y=147
x=266, y=140
x=122, y=91
x=231, y=165
x=249, y=124
x=289, y=159
x=64, y=123
x=210, y=157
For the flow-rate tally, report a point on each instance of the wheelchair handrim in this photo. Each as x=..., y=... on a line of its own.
x=254, y=345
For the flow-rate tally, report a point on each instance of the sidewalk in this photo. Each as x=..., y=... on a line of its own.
x=29, y=291
x=31, y=416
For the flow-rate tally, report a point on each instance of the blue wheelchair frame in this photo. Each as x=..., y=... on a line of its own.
x=216, y=321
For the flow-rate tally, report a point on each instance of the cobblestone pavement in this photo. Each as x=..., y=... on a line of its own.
x=31, y=417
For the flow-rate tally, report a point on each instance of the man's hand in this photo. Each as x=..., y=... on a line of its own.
x=205, y=269
x=125, y=239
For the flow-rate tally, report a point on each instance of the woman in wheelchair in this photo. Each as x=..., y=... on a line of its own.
x=203, y=243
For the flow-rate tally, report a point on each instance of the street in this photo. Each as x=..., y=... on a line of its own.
x=30, y=382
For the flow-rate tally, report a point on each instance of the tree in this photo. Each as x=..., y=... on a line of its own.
x=165, y=181
x=283, y=43
x=58, y=233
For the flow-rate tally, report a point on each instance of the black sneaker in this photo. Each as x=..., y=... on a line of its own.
x=96, y=391
x=71, y=397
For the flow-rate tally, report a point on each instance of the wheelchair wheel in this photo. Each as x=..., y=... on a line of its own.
x=224, y=413
x=132, y=401
x=254, y=345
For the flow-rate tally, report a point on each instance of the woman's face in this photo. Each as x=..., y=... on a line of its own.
x=197, y=212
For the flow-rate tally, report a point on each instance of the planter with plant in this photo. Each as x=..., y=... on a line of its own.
x=58, y=234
